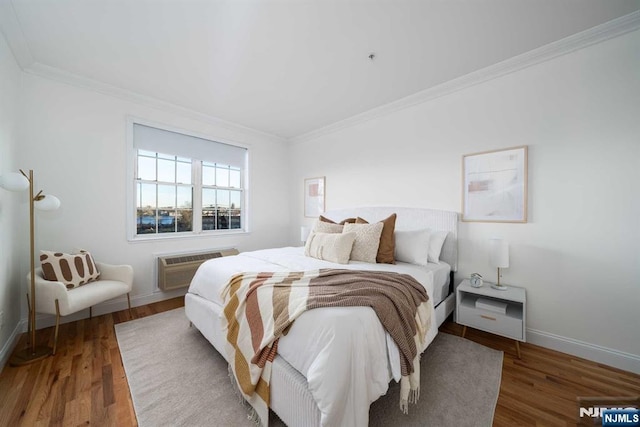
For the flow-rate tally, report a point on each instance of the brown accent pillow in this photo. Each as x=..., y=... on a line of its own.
x=71, y=269
x=387, y=242
x=343, y=222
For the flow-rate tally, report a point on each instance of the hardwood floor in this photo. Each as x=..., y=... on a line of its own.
x=85, y=384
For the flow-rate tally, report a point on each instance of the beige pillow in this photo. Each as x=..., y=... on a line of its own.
x=331, y=247
x=365, y=247
x=327, y=227
x=71, y=269
x=387, y=241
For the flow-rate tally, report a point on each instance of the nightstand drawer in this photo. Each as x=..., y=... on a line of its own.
x=489, y=321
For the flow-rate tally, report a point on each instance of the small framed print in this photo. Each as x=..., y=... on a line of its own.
x=495, y=186
x=313, y=197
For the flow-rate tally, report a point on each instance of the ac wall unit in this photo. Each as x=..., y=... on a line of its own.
x=176, y=271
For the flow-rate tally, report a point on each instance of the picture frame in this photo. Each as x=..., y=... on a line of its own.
x=494, y=185
x=314, y=194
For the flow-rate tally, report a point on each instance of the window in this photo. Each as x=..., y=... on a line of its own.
x=185, y=184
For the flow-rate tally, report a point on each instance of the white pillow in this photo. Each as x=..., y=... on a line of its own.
x=333, y=247
x=365, y=247
x=412, y=246
x=327, y=227
x=435, y=245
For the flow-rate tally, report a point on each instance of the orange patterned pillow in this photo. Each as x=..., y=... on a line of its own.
x=71, y=269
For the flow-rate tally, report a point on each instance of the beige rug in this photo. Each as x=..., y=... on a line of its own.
x=178, y=379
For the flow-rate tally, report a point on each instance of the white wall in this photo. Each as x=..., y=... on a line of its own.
x=579, y=254
x=10, y=292
x=75, y=140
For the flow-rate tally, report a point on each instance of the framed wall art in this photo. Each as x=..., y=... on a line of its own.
x=495, y=186
x=313, y=197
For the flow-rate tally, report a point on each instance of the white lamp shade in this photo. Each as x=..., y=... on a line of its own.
x=499, y=253
x=14, y=181
x=49, y=203
x=304, y=233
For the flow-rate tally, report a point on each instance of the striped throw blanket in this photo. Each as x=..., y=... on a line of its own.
x=259, y=307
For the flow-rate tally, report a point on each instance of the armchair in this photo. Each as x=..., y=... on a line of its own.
x=55, y=298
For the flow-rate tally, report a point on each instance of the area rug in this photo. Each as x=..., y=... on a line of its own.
x=177, y=378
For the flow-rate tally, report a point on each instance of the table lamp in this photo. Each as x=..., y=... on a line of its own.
x=499, y=258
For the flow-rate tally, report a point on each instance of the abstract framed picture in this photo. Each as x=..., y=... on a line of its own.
x=313, y=197
x=495, y=186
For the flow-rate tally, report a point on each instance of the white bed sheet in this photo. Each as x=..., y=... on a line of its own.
x=344, y=352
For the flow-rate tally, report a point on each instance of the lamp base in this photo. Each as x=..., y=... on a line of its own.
x=499, y=287
x=27, y=355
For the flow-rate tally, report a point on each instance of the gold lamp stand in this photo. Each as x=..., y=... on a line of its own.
x=33, y=352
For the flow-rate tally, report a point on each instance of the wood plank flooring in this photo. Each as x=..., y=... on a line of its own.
x=85, y=383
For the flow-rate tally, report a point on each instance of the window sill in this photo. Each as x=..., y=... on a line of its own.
x=160, y=237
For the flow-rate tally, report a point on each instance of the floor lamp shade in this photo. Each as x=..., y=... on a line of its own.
x=47, y=203
x=14, y=181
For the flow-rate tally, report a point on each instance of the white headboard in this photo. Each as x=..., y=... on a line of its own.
x=412, y=219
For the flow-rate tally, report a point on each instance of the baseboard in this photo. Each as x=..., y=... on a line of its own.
x=617, y=359
x=11, y=343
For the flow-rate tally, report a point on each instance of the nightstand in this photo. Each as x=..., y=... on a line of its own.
x=499, y=312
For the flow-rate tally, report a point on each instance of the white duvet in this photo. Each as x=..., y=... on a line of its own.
x=344, y=352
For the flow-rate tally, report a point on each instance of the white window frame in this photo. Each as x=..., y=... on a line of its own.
x=131, y=182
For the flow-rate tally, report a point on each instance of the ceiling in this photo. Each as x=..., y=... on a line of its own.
x=287, y=67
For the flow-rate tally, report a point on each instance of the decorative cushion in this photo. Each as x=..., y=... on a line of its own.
x=435, y=245
x=343, y=222
x=330, y=246
x=365, y=247
x=327, y=227
x=412, y=246
x=387, y=240
x=71, y=269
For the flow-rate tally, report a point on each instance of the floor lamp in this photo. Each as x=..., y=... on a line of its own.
x=20, y=182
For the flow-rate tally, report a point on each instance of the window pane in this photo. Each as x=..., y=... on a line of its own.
x=208, y=209
x=146, y=168
x=222, y=176
x=234, y=180
x=146, y=196
x=166, y=170
x=208, y=175
x=185, y=197
x=223, y=198
x=235, y=210
x=147, y=153
x=184, y=173
x=166, y=196
x=223, y=209
x=235, y=200
x=185, y=220
x=166, y=156
x=146, y=209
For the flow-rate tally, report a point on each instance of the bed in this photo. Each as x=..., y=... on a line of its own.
x=320, y=386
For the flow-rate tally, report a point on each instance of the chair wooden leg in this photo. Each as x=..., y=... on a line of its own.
x=129, y=304
x=464, y=331
x=55, y=335
x=90, y=313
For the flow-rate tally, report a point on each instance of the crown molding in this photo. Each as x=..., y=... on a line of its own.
x=53, y=73
x=12, y=31
x=583, y=39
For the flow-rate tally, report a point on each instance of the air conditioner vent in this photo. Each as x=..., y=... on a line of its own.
x=190, y=258
x=176, y=271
